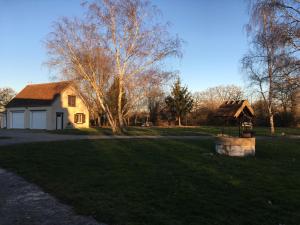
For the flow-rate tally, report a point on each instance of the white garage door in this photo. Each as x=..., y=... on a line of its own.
x=38, y=120
x=17, y=120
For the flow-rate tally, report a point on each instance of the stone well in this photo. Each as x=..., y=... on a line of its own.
x=235, y=146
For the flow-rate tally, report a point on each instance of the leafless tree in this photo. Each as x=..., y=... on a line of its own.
x=266, y=56
x=6, y=94
x=272, y=64
x=288, y=14
x=118, y=41
x=213, y=97
x=284, y=89
x=206, y=102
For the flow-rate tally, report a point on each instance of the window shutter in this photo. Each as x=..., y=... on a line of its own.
x=71, y=101
x=75, y=118
x=83, y=118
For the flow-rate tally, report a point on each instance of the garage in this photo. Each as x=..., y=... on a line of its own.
x=2, y=120
x=38, y=120
x=17, y=119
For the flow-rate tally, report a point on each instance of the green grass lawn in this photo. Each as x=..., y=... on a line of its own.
x=180, y=131
x=4, y=137
x=165, y=182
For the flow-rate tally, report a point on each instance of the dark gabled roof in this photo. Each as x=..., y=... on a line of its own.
x=233, y=109
x=35, y=95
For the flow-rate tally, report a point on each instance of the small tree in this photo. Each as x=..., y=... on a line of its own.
x=180, y=102
x=6, y=94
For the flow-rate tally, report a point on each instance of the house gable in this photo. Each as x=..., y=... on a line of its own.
x=61, y=104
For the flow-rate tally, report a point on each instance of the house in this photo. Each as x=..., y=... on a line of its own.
x=2, y=116
x=2, y=119
x=50, y=106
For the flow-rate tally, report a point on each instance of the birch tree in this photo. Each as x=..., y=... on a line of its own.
x=272, y=64
x=117, y=41
x=264, y=60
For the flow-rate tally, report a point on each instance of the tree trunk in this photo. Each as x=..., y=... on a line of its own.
x=120, y=112
x=114, y=126
x=112, y=121
x=272, y=127
x=135, y=120
x=179, y=121
x=99, y=121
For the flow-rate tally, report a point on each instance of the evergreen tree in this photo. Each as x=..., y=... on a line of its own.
x=180, y=102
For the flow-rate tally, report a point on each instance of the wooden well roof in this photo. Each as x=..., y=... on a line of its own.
x=234, y=109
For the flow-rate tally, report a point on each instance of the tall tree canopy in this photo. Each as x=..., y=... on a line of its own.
x=119, y=41
x=180, y=102
x=271, y=63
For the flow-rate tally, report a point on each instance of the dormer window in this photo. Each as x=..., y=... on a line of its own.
x=71, y=101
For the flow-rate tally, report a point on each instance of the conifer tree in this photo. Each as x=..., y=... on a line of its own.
x=180, y=102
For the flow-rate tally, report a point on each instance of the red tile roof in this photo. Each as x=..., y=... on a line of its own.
x=38, y=94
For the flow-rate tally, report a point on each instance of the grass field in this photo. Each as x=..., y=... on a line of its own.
x=166, y=182
x=3, y=137
x=181, y=131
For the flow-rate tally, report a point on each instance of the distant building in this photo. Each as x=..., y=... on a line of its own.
x=296, y=107
x=2, y=118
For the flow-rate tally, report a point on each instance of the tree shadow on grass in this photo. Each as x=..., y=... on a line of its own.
x=164, y=181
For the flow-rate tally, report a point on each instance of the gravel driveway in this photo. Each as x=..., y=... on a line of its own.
x=23, y=203
x=9, y=137
x=27, y=136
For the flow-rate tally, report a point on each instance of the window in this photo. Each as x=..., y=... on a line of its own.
x=71, y=101
x=79, y=118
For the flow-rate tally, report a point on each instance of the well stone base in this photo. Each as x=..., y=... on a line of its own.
x=234, y=146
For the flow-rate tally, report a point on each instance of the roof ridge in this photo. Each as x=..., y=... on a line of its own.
x=57, y=82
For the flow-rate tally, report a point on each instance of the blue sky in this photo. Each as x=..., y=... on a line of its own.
x=213, y=32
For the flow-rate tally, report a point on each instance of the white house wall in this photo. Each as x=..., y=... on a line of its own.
x=61, y=105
